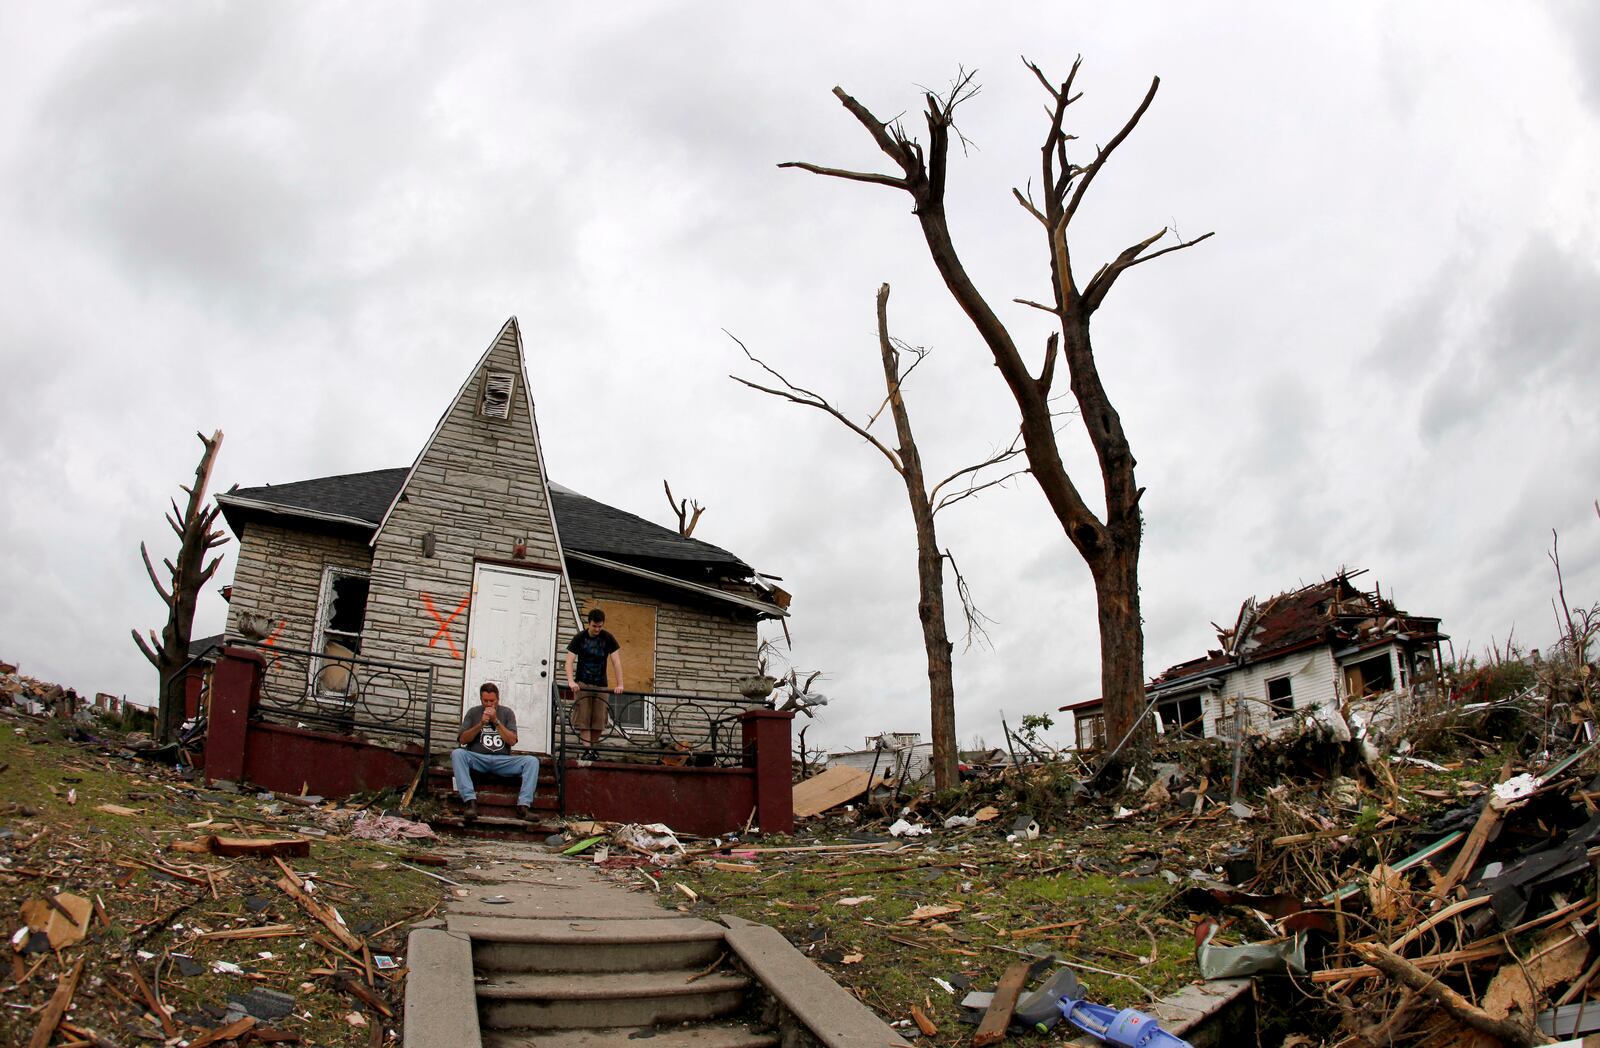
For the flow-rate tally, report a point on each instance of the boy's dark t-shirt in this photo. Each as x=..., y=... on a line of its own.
x=489, y=739
x=592, y=653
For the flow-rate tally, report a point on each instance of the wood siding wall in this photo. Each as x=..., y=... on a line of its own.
x=278, y=577
x=478, y=490
x=699, y=651
x=1312, y=683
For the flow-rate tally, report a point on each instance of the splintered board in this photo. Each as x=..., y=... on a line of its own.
x=832, y=787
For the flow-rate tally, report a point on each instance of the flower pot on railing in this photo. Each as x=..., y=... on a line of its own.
x=755, y=687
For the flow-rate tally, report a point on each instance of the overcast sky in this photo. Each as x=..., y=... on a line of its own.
x=302, y=224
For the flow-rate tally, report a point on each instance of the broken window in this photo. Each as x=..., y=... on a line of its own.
x=1091, y=731
x=341, y=615
x=1280, y=697
x=496, y=394
x=1369, y=676
x=1183, y=717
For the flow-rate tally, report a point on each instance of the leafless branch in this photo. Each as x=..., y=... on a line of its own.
x=1104, y=154
x=1028, y=206
x=155, y=660
x=806, y=398
x=151, y=571
x=965, y=493
x=682, y=509
x=1108, y=273
x=900, y=346
x=1010, y=451
x=974, y=618
x=852, y=176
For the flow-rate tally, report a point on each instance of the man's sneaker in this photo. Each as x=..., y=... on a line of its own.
x=469, y=810
x=523, y=813
x=588, y=755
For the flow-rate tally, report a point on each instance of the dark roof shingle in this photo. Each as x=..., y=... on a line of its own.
x=587, y=526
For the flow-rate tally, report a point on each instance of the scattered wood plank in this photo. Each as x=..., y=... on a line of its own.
x=236, y=847
x=264, y=931
x=993, y=1028
x=832, y=788
x=231, y=1032
x=326, y=915
x=924, y=1023
x=369, y=998
x=154, y=1003
x=1428, y=962
x=426, y=859
x=57, y=1007
x=64, y=919
x=117, y=809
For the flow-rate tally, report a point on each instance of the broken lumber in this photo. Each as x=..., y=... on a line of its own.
x=831, y=788
x=156, y=1007
x=264, y=931
x=324, y=914
x=235, y=847
x=993, y=1028
x=230, y=1032
x=1408, y=975
x=56, y=1009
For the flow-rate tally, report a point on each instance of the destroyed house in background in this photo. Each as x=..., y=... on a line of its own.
x=380, y=601
x=900, y=757
x=1310, y=654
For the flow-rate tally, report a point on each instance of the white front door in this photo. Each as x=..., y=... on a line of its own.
x=511, y=639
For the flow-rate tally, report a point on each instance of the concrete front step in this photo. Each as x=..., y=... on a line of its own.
x=577, y=1001
x=705, y=1035
x=532, y=945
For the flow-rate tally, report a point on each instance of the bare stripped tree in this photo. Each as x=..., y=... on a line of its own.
x=687, y=511
x=170, y=651
x=926, y=502
x=1109, y=546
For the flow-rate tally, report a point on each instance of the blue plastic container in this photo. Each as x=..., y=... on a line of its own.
x=1127, y=1028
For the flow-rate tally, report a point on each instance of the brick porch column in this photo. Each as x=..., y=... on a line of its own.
x=235, y=685
x=766, y=748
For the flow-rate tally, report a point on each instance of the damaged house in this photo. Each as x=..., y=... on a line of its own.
x=1312, y=654
x=381, y=600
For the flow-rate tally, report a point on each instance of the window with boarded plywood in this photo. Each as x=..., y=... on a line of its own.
x=634, y=626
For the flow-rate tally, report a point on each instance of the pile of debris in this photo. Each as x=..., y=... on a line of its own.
x=1449, y=901
x=148, y=909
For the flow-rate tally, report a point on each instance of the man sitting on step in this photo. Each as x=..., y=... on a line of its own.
x=488, y=731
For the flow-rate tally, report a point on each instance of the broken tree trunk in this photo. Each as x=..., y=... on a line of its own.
x=925, y=503
x=1109, y=546
x=169, y=652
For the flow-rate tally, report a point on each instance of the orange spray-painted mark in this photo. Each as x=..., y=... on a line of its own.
x=444, y=621
x=272, y=638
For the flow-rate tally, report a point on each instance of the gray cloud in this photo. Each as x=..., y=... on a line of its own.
x=301, y=224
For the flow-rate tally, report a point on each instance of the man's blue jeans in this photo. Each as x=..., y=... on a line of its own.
x=465, y=762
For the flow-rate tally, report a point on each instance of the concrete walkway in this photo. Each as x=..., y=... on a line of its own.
x=512, y=892
x=535, y=883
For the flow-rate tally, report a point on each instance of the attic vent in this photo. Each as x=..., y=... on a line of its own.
x=496, y=395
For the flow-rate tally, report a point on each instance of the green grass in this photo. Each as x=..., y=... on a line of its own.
x=1120, y=927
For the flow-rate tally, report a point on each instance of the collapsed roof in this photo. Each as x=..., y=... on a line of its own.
x=1334, y=611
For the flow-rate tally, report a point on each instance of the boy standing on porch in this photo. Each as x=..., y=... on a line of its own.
x=588, y=654
x=488, y=731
